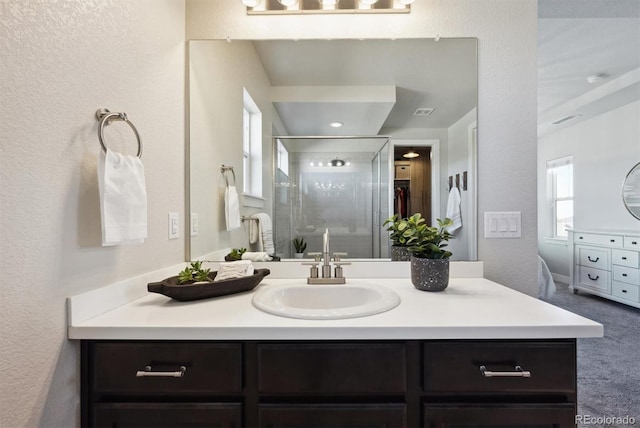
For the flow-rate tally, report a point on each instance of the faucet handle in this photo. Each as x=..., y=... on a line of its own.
x=316, y=256
x=337, y=256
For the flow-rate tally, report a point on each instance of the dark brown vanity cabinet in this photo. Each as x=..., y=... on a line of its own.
x=440, y=383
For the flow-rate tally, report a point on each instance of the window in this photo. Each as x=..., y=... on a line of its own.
x=560, y=176
x=282, y=158
x=251, y=147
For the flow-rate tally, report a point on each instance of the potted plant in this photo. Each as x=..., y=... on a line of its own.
x=300, y=245
x=235, y=254
x=429, y=258
x=399, y=248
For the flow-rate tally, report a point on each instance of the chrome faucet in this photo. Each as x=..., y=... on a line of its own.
x=325, y=258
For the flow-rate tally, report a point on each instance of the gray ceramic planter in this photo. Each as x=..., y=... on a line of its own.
x=400, y=254
x=429, y=274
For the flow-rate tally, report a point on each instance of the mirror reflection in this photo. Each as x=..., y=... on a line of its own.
x=631, y=191
x=271, y=109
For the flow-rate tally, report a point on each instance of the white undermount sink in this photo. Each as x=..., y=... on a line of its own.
x=325, y=301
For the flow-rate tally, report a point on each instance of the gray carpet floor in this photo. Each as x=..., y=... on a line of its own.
x=608, y=367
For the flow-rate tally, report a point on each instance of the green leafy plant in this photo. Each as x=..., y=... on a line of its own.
x=396, y=226
x=194, y=273
x=424, y=241
x=299, y=244
x=235, y=254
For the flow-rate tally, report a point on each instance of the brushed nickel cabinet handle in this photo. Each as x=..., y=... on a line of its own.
x=147, y=372
x=597, y=258
x=517, y=373
x=593, y=279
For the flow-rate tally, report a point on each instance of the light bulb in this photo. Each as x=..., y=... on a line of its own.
x=251, y=3
x=368, y=2
x=406, y=2
x=287, y=3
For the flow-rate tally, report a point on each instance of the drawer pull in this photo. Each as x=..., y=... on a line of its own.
x=612, y=240
x=148, y=373
x=597, y=258
x=518, y=373
x=624, y=274
x=624, y=258
x=624, y=291
x=634, y=242
x=593, y=279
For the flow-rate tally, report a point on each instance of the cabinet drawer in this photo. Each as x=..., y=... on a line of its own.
x=499, y=415
x=597, y=258
x=455, y=367
x=332, y=368
x=597, y=279
x=625, y=291
x=625, y=258
x=169, y=415
x=332, y=415
x=632, y=242
x=594, y=238
x=208, y=367
x=626, y=274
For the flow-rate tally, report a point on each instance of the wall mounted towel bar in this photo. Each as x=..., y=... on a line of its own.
x=106, y=117
x=224, y=170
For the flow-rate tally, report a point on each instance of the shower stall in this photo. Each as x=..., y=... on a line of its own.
x=335, y=183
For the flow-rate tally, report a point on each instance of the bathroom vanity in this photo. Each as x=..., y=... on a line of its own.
x=476, y=354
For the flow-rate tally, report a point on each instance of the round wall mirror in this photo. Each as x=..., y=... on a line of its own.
x=631, y=191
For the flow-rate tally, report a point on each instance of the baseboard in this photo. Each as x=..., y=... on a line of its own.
x=560, y=278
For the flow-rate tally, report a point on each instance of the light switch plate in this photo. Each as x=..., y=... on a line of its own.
x=194, y=224
x=503, y=224
x=174, y=225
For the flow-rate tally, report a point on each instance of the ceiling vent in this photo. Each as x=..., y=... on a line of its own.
x=423, y=111
x=564, y=119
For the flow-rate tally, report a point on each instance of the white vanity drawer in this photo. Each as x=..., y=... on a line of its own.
x=632, y=242
x=625, y=291
x=626, y=274
x=597, y=279
x=593, y=238
x=594, y=257
x=625, y=258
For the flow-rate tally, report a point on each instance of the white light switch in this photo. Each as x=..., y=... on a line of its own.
x=503, y=224
x=174, y=223
x=194, y=224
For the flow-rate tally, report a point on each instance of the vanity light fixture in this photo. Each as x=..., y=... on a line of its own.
x=336, y=124
x=306, y=7
x=411, y=154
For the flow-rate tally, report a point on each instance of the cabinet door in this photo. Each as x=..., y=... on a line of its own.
x=494, y=415
x=333, y=415
x=169, y=415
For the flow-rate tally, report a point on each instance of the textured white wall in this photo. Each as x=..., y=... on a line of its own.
x=507, y=43
x=61, y=61
x=604, y=149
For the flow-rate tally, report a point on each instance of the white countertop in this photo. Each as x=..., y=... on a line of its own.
x=470, y=308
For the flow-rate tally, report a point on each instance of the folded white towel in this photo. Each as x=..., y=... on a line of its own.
x=123, y=199
x=259, y=256
x=453, y=210
x=237, y=269
x=231, y=208
x=262, y=233
x=546, y=285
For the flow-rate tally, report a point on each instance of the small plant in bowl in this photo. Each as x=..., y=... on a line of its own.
x=194, y=273
x=235, y=254
x=397, y=227
x=429, y=257
x=300, y=246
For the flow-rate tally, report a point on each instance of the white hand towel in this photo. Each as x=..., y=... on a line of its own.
x=259, y=256
x=123, y=199
x=231, y=208
x=265, y=233
x=237, y=269
x=453, y=210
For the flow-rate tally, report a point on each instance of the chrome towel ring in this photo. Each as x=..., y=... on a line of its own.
x=106, y=117
x=224, y=170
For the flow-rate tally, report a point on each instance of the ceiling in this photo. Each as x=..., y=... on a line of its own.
x=369, y=85
x=582, y=38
